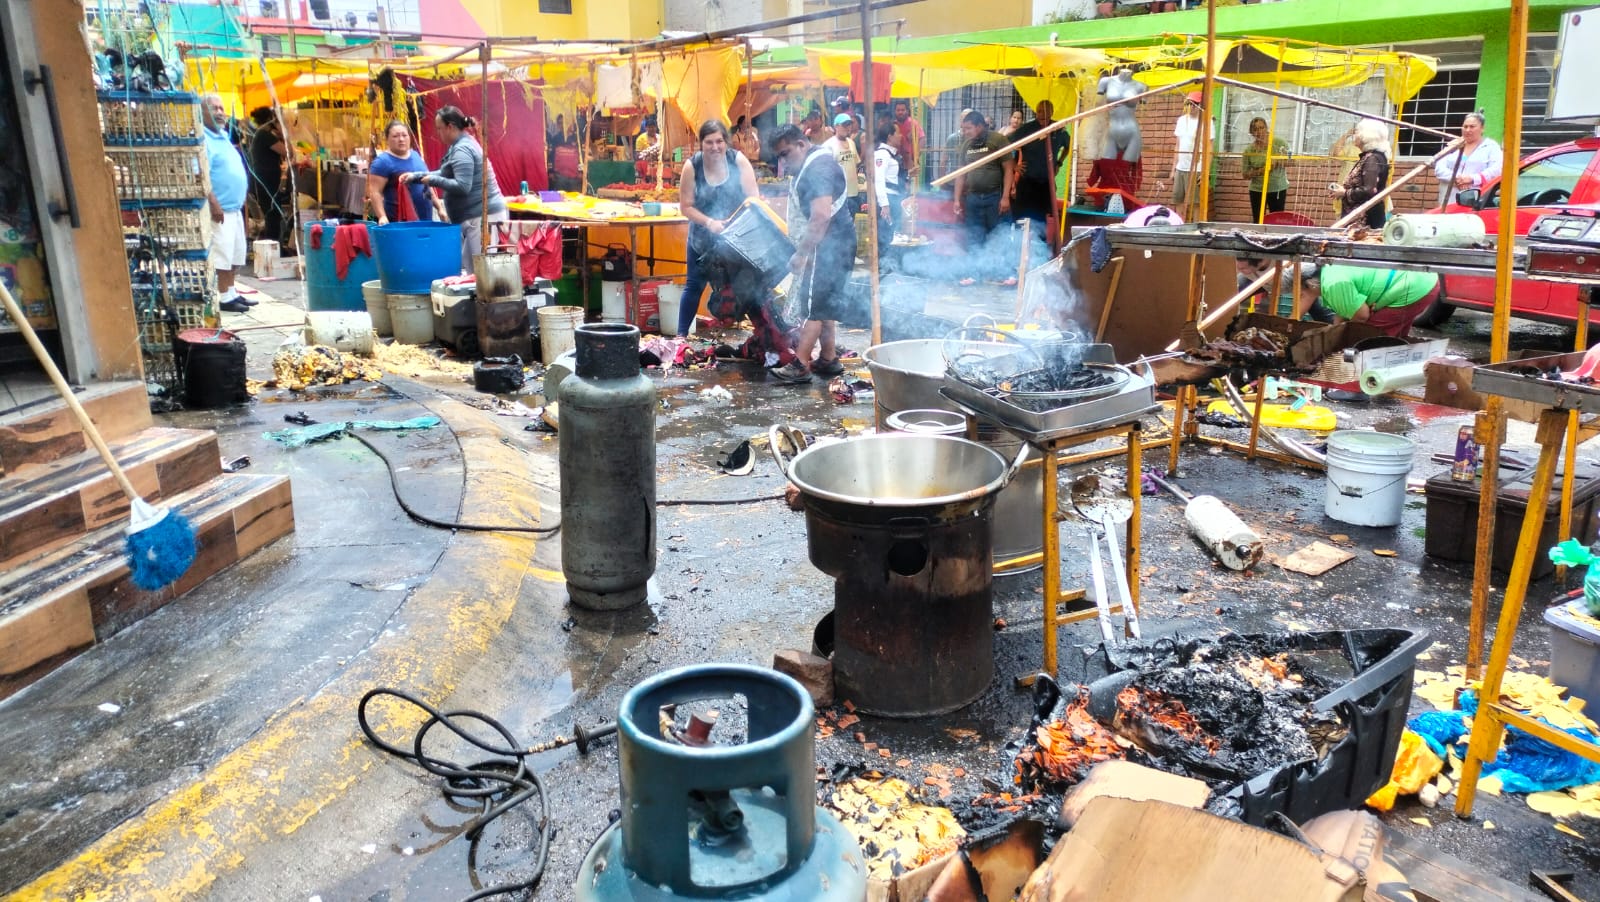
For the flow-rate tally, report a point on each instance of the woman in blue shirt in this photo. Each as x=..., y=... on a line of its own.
x=399, y=157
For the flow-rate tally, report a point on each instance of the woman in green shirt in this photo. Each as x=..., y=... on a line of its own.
x=1385, y=299
x=1266, y=176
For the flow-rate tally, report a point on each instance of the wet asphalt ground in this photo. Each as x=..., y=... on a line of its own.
x=215, y=670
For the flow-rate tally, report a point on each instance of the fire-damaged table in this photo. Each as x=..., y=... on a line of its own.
x=1114, y=414
x=1283, y=244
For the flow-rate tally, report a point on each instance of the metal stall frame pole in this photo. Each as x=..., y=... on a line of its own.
x=483, y=80
x=872, y=188
x=1491, y=423
x=1200, y=158
x=1564, y=523
x=1488, y=726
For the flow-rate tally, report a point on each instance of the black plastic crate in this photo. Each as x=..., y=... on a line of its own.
x=1373, y=703
x=1452, y=532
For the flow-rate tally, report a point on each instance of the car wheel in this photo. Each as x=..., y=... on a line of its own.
x=1437, y=313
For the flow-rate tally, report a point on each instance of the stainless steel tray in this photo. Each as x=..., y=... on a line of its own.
x=1513, y=379
x=1136, y=399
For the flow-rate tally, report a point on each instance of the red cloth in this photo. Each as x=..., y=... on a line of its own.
x=515, y=127
x=540, y=253
x=316, y=237
x=882, y=82
x=1120, y=175
x=348, y=240
x=404, y=209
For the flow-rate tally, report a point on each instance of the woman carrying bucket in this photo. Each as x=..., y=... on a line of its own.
x=461, y=176
x=715, y=181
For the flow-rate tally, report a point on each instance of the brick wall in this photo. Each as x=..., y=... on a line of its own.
x=1230, y=197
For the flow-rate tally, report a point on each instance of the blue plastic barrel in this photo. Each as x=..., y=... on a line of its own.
x=411, y=255
x=324, y=289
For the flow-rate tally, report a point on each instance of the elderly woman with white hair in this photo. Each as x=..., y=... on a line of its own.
x=1369, y=175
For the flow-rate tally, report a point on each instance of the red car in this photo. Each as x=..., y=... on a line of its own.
x=1559, y=177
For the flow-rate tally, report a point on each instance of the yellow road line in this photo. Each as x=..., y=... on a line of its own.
x=283, y=776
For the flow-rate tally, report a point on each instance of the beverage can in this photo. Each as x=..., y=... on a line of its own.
x=1465, y=467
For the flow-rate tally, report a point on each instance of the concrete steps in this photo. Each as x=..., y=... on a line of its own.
x=63, y=600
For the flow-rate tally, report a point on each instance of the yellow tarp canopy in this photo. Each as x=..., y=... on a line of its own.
x=833, y=66
x=1267, y=61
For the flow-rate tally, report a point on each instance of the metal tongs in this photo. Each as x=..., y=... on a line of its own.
x=1101, y=522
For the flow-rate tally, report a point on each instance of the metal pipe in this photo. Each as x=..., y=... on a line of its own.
x=1055, y=126
x=1499, y=335
x=872, y=182
x=1311, y=101
x=1488, y=727
x=1564, y=523
x=483, y=227
x=1227, y=306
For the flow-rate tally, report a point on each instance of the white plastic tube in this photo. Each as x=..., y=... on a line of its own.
x=1383, y=380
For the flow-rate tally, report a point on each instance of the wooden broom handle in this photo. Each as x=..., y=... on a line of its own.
x=62, y=388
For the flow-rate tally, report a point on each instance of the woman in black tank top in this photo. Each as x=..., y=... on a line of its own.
x=714, y=183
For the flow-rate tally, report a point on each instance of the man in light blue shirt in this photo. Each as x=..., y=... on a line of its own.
x=229, y=185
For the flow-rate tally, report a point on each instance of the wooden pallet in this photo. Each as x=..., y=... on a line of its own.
x=48, y=505
x=64, y=600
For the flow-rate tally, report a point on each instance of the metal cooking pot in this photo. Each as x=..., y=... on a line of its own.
x=878, y=477
x=907, y=375
x=499, y=274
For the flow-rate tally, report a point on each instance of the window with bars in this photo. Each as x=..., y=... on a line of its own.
x=1441, y=104
x=557, y=7
x=994, y=99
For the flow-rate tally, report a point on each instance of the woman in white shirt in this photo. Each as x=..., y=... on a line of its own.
x=1476, y=164
x=886, y=181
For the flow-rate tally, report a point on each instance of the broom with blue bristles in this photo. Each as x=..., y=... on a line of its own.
x=160, y=542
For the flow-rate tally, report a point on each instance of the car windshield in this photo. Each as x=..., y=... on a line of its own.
x=1545, y=182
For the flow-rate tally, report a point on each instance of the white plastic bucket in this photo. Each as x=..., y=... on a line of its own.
x=669, y=298
x=558, y=331
x=377, y=307
x=412, y=318
x=349, y=331
x=613, y=302
x=1367, y=477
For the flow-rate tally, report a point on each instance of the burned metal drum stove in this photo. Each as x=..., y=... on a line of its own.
x=902, y=523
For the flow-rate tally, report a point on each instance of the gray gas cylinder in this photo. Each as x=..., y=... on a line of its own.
x=608, y=471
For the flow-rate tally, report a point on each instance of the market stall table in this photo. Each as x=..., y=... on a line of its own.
x=584, y=212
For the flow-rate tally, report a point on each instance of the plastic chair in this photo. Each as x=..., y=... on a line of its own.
x=1289, y=219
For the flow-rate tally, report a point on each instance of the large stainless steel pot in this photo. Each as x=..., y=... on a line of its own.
x=1018, y=528
x=902, y=523
x=907, y=375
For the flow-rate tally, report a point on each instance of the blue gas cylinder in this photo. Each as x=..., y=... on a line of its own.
x=718, y=821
